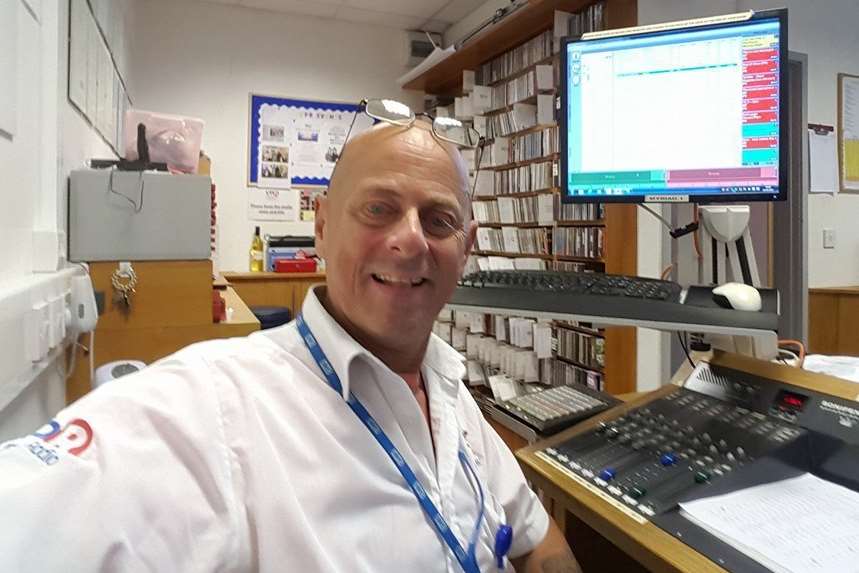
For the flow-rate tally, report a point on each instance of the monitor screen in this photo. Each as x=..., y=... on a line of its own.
x=686, y=114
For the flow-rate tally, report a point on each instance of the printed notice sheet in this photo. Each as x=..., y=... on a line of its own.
x=849, y=113
x=823, y=160
x=799, y=525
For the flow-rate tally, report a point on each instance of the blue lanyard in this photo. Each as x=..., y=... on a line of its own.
x=467, y=560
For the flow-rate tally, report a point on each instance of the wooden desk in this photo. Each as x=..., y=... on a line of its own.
x=274, y=289
x=833, y=320
x=171, y=309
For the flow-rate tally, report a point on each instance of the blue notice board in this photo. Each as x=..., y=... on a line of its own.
x=295, y=142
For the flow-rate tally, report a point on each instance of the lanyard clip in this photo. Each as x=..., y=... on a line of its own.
x=503, y=541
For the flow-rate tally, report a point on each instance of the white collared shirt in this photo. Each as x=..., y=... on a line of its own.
x=236, y=455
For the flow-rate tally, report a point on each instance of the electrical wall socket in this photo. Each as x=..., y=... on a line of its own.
x=84, y=313
x=38, y=330
x=56, y=320
x=828, y=238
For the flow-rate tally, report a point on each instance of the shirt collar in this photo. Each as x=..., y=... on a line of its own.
x=341, y=349
x=444, y=359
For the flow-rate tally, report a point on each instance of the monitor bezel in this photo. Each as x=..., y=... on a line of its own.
x=779, y=14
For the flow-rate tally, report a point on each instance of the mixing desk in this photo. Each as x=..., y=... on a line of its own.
x=654, y=456
x=723, y=431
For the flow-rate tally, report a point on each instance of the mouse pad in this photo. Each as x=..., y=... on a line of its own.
x=703, y=296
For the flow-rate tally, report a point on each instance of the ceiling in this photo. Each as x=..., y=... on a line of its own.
x=431, y=15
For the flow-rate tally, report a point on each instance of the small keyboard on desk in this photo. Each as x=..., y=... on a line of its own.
x=552, y=410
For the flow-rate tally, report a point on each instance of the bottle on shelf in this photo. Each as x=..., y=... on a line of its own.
x=256, y=253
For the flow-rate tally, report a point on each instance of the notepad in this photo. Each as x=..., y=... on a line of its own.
x=799, y=525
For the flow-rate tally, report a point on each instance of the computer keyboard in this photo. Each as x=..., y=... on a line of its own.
x=554, y=409
x=607, y=299
x=576, y=283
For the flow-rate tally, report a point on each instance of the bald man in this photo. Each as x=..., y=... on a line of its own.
x=284, y=451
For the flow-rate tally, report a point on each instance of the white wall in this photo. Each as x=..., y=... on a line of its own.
x=51, y=138
x=20, y=153
x=203, y=60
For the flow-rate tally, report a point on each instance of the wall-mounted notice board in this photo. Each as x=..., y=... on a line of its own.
x=295, y=142
x=848, y=131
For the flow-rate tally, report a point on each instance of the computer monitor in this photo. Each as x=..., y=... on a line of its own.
x=694, y=113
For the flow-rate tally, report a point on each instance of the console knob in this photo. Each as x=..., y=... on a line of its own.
x=608, y=474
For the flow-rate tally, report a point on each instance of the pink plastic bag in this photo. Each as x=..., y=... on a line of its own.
x=172, y=139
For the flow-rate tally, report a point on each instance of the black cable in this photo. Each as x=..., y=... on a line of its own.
x=685, y=349
x=690, y=228
x=661, y=219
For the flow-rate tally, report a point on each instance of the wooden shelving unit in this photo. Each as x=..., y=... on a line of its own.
x=581, y=223
x=531, y=99
x=513, y=255
x=519, y=27
x=580, y=364
x=527, y=130
x=620, y=221
x=548, y=191
x=588, y=331
x=573, y=259
x=519, y=225
x=543, y=159
x=523, y=71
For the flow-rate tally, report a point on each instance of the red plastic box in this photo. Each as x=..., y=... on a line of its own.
x=295, y=266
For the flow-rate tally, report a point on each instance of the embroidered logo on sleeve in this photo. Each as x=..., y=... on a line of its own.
x=74, y=438
x=53, y=440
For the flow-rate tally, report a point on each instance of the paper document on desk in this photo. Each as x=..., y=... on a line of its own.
x=798, y=525
x=846, y=367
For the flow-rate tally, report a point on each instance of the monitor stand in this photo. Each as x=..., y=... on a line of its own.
x=726, y=241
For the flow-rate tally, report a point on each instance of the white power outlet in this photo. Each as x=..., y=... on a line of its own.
x=56, y=321
x=828, y=238
x=38, y=331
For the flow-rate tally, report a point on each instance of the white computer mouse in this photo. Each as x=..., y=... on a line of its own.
x=738, y=296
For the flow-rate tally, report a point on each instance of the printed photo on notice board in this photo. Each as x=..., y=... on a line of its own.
x=296, y=142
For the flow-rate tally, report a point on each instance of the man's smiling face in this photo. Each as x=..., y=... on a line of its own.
x=395, y=232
